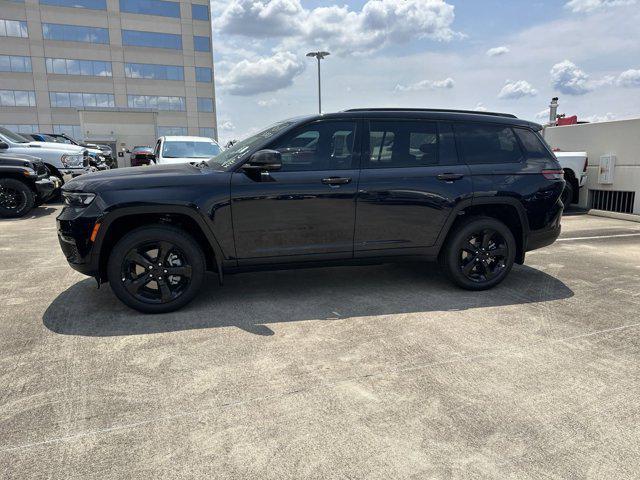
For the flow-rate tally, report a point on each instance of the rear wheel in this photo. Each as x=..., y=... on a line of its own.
x=16, y=198
x=156, y=269
x=479, y=254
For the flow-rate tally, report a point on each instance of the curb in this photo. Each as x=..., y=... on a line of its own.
x=618, y=216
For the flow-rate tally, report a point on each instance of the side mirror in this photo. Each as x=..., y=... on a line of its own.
x=264, y=160
x=3, y=145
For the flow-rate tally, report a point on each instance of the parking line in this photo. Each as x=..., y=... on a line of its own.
x=599, y=236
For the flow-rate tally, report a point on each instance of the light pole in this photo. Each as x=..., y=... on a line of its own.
x=319, y=56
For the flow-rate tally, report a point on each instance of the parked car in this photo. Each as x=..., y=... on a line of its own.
x=175, y=149
x=105, y=150
x=141, y=155
x=24, y=184
x=473, y=190
x=63, y=161
x=574, y=165
x=97, y=160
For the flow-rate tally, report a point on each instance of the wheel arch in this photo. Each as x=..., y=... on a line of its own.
x=118, y=223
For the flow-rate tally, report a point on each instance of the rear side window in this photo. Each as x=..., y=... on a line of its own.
x=533, y=145
x=397, y=144
x=488, y=144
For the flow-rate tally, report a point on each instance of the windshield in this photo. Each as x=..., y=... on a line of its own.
x=190, y=149
x=233, y=154
x=13, y=137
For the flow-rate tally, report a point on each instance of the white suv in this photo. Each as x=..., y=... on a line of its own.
x=174, y=149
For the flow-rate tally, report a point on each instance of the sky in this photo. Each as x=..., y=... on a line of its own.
x=509, y=56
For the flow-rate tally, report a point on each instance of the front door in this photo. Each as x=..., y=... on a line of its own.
x=410, y=182
x=306, y=210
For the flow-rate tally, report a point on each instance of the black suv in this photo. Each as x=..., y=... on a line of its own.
x=472, y=190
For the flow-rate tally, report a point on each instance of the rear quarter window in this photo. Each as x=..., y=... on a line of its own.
x=533, y=145
x=488, y=144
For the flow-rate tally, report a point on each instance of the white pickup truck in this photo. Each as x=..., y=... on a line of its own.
x=574, y=165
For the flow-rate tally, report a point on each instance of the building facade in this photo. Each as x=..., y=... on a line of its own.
x=65, y=61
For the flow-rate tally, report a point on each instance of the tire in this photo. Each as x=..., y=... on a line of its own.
x=138, y=254
x=472, y=268
x=16, y=198
x=567, y=194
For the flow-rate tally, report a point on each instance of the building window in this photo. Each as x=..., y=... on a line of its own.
x=74, y=33
x=17, y=98
x=73, y=131
x=201, y=44
x=205, y=104
x=12, y=63
x=165, y=131
x=13, y=28
x=34, y=128
x=208, y=132
x=92, y=4
x=154, y=72
x=151, y=39
x=204, y=74
x=79, y=100
x=199, y=12
x=66, y=66
x=151, y=7
x=156, y=102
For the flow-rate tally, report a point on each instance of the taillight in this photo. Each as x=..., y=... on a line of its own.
x=586, y=164
x=553, y=174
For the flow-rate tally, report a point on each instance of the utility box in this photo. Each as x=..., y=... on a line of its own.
x=607, y=169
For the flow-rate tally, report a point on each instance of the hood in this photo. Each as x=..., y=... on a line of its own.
x=167, y=161
x=55, y=146
x=153, y=176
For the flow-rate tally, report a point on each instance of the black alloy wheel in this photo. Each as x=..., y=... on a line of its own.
x=483, y=256
x=156, y=269
x=16, y=198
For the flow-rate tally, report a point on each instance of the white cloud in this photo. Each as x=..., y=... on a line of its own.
x=569, y=79
x=498, y=51
x=270, y=102
x=543, y=115
x=447, y=83
x=226, y=126
x=480, y=107
x=588, y=6
x=629, y=78
x=607, y=117
x=518, y=89
x=262, y=75
x=379, y=23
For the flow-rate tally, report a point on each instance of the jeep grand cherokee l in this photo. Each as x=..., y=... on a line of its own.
x=474, y=191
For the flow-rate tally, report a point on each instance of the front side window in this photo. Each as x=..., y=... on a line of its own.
x=13, y=28
x=533, y=145
x=151, y=7
x=201, y=44
x=74, y=33
x=92, y=4
x=151, y=39
x=14, y=63
x=324, y=145
x=189, y=149
x=199, y=12
x=482, y=144
x=402, y=144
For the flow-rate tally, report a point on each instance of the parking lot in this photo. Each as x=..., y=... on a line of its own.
x=372, y=372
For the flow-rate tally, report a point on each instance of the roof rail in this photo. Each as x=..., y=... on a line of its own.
x=444, y=110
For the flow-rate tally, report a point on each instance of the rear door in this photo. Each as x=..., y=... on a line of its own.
x=410, y=182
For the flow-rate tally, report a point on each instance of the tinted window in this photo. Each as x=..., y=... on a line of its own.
x=488, y=144
x=396, y=144
x=73, y=33
x=201, y=44
x=151, y=7
x=189, y=149
x=319, y=146
x=13, y=63
x=204, y=74
x=448, y=154
x=155, y=72
x=200, y=12
x=532, y=144
x=151, y=39
x=93, y=4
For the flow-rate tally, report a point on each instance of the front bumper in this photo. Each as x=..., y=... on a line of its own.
x=46, y=187
x=74, y=235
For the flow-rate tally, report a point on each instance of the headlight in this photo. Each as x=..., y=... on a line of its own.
x=77, y=199
x=72, y=160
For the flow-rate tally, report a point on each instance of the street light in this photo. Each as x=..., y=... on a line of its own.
x=319, y=56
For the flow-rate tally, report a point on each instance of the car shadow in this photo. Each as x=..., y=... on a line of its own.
x=252, y=301
x=37, y=212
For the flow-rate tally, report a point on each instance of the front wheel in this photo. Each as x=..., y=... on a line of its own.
x=16, y=198
x=479, y=254
x=156, y=269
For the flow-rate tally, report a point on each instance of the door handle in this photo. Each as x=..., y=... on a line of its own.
x=449, y=177
x=336, y=180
